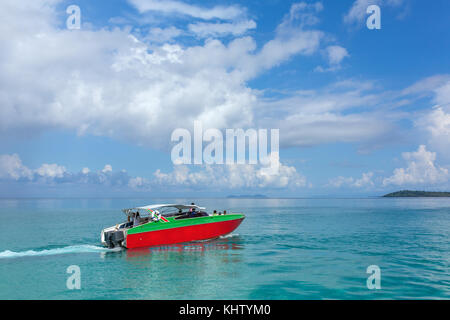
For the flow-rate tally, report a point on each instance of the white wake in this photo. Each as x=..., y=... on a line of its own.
x=85, y=248
x=230, y=235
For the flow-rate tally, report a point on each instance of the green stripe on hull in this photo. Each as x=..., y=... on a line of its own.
x=160, y=225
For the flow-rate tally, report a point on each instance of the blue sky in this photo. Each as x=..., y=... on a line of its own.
x=90, y=112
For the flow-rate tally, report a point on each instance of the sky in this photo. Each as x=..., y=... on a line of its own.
x=90, y=111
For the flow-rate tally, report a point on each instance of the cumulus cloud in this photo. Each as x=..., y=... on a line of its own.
x=11, y=167
x=107, y=168
x=231, y=176
x=364, y=182
x=219, y=177
x=421, y=169
x=109, y=83
x=138, y=182
x=435, y=122
x=51, y=171
x=443, y=94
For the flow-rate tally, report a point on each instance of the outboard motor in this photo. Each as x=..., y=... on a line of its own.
x=114, y=238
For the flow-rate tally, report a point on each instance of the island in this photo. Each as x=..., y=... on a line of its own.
x=411, y=194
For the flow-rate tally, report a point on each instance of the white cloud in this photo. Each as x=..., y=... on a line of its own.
x=443, y=94
x=421, y=169
x=340, y=181
x=436, y=121
x=335, y=55
x=138, y=182
x=292, y=38
x=218, y=177
x=231, y=176
x=205, y=30
x=11, y=167
x=364, y=182
x=302, y=14
x=343, y=112
x=109, y=83
x=436, y=86
x=357, y=12
x=304, y=129
x=162, y=35
x=107, y=168
x=51, y=171
x=179, y=7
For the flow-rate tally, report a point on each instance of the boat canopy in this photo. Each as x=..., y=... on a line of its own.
x=162, y=206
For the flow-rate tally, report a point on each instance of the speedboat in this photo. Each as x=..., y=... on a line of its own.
x=165, y=224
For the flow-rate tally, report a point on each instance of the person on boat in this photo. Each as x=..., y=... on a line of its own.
x=215, y=212
x=224, y=211
x=192, y=213
x=137, y=219
x=156, y=215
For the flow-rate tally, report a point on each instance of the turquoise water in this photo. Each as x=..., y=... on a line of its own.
x=284, y=249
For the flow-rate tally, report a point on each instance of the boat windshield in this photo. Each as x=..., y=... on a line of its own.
x=165, y=210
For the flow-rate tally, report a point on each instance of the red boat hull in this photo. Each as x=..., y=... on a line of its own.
x=182, y=234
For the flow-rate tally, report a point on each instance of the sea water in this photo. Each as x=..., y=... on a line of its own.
x=284, y=249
